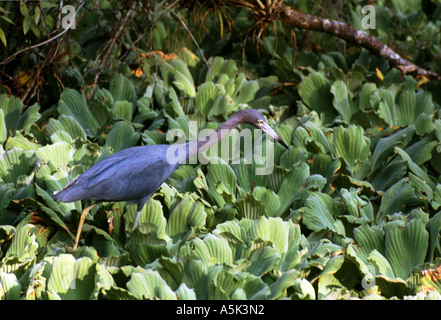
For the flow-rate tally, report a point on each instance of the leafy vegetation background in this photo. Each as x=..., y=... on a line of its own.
x=352, y=209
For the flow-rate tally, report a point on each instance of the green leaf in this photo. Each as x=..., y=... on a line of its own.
x=197, y=249
x=148, y=284
x=436, y=203
x=388, y=175
x=421, y=151
x=218, y=249
x=13, y=118
x=405, y=245
x=121, y=88
x=387, y=109
x=304, y=289
x=70, y=278
x=3, y=38
x=392, y=287
x=250, y=208
x=357, y=206
x=73, y=104
x=58, y=153
x=22, y=252
x=221, y=180
x=310, y=137
x=194, y=276
x=185, y=293
x=278, y=288
x=247, y=92
x=187, y=214
x=381, y=264
x=270, y=200
x=263, y=260
x=315, y=92
x=205, y=97
x=6, y=192
x=3, y=128
x=291, y=186
x=364, y=97
x=216, y=64
x=122, y=136
x=184, y=84
x=351, y=144
x=369, y=238
x=275, y=230
x=319, y=211
x=368, y=119
x=406, y=111
x=222, y=283
x=67, y=124
x=146, y=247
x=406, y=6
x=11, y=108
x=247, y=177
x=123, y=109
x=10, y=288
x=342, y=101
x=385, y=146
x=15, y=163
x=233, y=228
x=414, y=168
x=27, y=23
x=396, y=198
x=151, y=213
x=255, y=288
x=434, y=227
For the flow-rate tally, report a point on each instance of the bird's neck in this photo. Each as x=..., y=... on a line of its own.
x=198, y=146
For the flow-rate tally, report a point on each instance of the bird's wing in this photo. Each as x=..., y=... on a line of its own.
x=129, y=176
x=99, y=168
x=115, y=163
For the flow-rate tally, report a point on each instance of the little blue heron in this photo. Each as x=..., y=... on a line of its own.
x=133, y=174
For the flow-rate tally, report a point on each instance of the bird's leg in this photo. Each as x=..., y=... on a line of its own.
x=80, y=225
x=139, y=205
x=138, y=214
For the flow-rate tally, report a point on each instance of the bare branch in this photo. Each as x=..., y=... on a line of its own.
x=110, y=44
x=296, y=19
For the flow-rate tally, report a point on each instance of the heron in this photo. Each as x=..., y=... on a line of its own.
x=135, y=173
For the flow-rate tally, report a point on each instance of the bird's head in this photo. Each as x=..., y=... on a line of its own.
x=256, y=119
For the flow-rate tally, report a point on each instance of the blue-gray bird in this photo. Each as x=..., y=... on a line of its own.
x=134, y=174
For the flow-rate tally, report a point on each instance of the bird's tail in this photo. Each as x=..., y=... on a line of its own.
x=61, y=195
x=71, y=193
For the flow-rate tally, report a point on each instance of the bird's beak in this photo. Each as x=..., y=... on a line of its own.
x=268, y=130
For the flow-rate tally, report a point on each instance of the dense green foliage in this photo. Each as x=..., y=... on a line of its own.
x=351, y=210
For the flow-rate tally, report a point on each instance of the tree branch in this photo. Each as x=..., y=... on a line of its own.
x=296, y=19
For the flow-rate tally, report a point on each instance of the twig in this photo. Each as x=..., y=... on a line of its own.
x=47, y=60
x=110, y=44
x=11, y=57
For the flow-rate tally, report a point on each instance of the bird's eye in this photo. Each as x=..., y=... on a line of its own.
x=259, y=121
